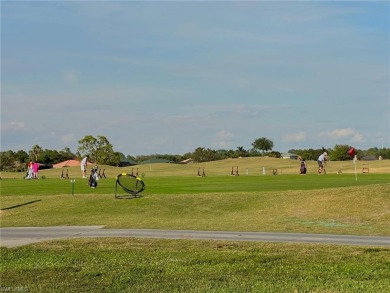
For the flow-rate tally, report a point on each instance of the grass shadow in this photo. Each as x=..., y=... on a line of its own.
x=128, y=196
x=20, y=205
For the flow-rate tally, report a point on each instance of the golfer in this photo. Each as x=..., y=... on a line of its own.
x=303, y=167
x=321, y=161
x=83, y=165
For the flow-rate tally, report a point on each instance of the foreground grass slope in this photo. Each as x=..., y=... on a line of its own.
x=145, y=265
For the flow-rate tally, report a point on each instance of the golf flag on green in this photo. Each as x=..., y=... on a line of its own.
x=352, y=153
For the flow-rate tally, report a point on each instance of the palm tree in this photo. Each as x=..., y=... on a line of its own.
x=241, y=152
x=36, y=149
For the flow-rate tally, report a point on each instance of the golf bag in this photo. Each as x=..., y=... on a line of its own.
x=29, y=174
x=94, y=177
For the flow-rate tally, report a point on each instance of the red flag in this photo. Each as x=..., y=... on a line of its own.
x=351, y=152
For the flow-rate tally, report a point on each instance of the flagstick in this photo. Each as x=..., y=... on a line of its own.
x=354, y=162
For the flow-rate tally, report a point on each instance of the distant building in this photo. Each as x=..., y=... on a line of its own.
x=155, y=161
x=290, y=156
x=126, y=163
x=67, y=163
x=368, y=158
x=187, y=161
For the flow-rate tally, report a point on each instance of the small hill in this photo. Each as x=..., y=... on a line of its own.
x=246, y=166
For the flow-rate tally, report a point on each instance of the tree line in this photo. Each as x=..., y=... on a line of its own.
x=340, y=153
x=101, y=151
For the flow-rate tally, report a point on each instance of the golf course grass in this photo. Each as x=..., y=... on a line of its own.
x=175, y=198
x=146, y=265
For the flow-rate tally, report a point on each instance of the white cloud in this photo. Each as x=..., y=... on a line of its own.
x=13, y=126
x=71, y=76
x=67, y=138
x=295, y=137
x=343, y=133
x=223, y=139
x=357, y=137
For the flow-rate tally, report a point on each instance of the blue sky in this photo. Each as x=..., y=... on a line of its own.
x=168, y=77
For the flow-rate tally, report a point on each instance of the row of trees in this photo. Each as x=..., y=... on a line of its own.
x=101, y=151
x=17, y=161
x=202, y=154
x=340, y=153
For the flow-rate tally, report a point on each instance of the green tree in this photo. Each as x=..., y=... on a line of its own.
x=35, y=151
x=340, y=153
x=116, y=158
x=274, y=154
x=66, y=154
x=204, y=155
x=88, y=147
x=241, y=152
x=7, y=160
x=263, y=144
x=99, y=149
x=21, y=156
x=199, y=154
x=384, y=153
x=105, y=152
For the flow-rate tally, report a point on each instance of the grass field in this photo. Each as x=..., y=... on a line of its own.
x=288, y=203
x=175, y=198
x=144, y=265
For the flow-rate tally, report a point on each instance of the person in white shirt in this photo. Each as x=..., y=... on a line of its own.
x=83, y=165
x=321, y=161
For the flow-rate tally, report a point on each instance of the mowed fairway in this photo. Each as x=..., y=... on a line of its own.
x=175, y=198
x=289, y=203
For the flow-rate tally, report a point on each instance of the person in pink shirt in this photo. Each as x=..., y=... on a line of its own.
x=35, y=168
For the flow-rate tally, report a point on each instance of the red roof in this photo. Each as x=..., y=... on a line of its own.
x=68, y=163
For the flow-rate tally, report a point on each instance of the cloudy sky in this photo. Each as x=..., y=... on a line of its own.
x=168, y=77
